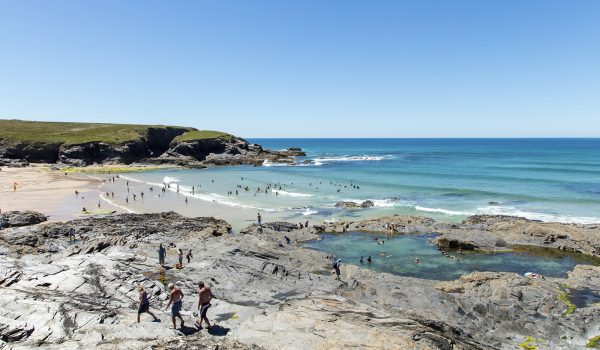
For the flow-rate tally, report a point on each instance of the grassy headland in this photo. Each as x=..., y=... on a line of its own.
x=13, y=131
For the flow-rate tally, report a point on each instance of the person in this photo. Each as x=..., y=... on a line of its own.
x=361, y=260
x=417, y=261
x=306, y=224
x=369, y=259
x=259, y=218
x=175, y=298
x=336, y=266
x=287, y=239
x=71, y=234
x=161, y=254
x=144, y=304
x=180, y=258
x=204, y=298
x=189, y=256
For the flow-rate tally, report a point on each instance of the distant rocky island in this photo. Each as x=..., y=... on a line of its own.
x=84, y=144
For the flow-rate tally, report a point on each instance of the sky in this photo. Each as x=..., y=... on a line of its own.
x=484, y=68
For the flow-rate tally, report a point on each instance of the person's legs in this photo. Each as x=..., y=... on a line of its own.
x=151, y=314
x=138, y=317
x=174, y=324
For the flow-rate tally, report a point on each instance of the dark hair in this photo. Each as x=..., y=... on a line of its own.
x=200, y=284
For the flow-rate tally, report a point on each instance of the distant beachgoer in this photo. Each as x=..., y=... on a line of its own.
x=336, y=267
x=361, y=260
x=417, y=261
x=126, y=199
x=369, y=260
x=189, y=256
x=180, y=258
x=259, y=218
x=175, y=298
x=204, y=298
x=161, y=254
x=112, y=194
x=98, y=204
x=144, y=304
x=287, y=239
x=186, y=200
x=306, y=224
x=142, y=194
x=76, y=193
x=71, y=234
x=83, y=210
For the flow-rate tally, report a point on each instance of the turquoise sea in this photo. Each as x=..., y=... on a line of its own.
x=448, y=179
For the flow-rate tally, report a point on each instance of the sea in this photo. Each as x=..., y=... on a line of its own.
x=448, y=179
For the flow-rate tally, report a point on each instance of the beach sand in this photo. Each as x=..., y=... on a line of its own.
x=50, y=192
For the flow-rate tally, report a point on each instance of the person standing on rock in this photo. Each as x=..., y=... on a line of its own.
x=259, y=218
x=144, y=304
x=161, y=255
x=204, y=298
x=180, y=258
x=337, y=266
x=175, y=298
x=189, y=256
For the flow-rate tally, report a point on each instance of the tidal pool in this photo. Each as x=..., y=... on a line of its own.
x=401, y=252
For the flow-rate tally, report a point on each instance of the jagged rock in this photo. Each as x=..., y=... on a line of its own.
x=352, y=205
x=21, y=218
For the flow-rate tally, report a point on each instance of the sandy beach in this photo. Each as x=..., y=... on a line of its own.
x=50, y=192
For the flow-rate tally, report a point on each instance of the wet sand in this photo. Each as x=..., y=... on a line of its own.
x=50, y=192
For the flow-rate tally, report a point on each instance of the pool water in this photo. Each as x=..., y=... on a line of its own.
x=401, y=252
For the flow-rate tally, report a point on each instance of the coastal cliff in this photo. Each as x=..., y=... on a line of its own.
x=83, y=144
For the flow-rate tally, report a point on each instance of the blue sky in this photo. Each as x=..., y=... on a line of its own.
x=308, y=68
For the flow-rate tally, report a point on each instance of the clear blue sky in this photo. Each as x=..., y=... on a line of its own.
x=281, y=68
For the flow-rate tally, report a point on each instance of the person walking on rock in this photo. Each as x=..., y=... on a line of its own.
x=161, y=255
x=144, y=304
x=176, y=299
x=204, y=298
x=336, y=266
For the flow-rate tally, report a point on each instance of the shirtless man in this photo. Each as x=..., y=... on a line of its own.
x=204, y=298
x=175, y=298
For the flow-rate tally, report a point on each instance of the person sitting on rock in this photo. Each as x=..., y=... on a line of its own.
x=176, y=299
x=144, y=304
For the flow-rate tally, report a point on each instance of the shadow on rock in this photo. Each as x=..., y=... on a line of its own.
x=218, y=331
x=188, y=330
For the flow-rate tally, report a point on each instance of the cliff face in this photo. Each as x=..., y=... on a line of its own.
x=129, y=144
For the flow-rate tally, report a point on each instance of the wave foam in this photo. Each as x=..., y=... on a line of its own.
x=169, y=180
x=499, y=210
x=349, y=159
x=291, y=194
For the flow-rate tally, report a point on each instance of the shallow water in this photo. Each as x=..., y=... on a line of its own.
x=447, y=179
x=401, y=252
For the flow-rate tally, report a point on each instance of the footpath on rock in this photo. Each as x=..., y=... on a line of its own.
x=60, y=291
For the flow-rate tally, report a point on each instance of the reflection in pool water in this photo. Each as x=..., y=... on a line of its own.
x=401, y=252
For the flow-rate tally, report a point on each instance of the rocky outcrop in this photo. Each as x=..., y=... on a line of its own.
x=354, y=205
x=21, y=218
x=268, y=293
x=227, y=150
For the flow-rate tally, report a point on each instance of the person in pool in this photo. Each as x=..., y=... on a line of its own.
x=176, y=299
x=144, y=304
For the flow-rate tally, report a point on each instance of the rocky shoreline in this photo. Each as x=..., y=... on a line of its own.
x=269, y=294
x=483, y=232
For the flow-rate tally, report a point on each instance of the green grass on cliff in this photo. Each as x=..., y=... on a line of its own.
x=201, y=135
x=13, y=131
